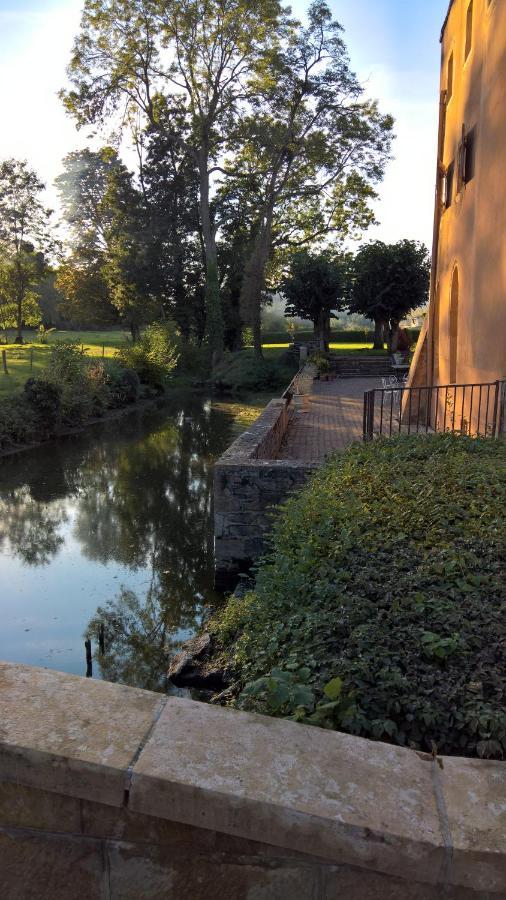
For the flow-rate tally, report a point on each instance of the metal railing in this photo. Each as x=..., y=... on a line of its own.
x=477, y=410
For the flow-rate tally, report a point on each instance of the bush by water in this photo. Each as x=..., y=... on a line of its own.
x=381, y=608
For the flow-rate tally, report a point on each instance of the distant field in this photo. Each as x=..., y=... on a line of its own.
x=340, y=349
x=31, y=358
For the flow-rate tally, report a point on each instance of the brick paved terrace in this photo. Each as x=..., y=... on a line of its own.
x=331, y=419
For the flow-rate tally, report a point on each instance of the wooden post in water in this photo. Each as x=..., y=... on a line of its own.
x=4, y=362
x=89, y=660
x=101, y=638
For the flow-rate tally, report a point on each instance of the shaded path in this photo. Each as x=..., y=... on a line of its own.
x=332, y=421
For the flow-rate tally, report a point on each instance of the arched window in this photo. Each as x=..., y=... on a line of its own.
x=454, y=324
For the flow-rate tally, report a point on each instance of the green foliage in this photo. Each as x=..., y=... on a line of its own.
x=44, y=399
x=23, y=239
x=83, y=383
x=316, y=286
x=154, y=356
x=386, y=581
x=390, y=280
x=242, y=371
x=17, y=423
x=123, y=384
x=321, y=362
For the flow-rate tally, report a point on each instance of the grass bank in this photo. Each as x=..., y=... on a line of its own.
x=381, y=607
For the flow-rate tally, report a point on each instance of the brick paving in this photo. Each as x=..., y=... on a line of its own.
x=331, y=419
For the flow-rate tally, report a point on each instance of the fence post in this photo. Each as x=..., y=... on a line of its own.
x=496, y=407
x=368, y=415
x=31, y=359
x=4, y=362
x=103, y=350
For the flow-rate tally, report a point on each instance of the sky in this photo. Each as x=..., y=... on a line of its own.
x=393, y=46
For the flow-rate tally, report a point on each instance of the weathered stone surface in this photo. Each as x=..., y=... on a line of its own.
x=204, y=878
x=292, y=786
x=26, y=807
x=37, y=866
x=475, y=798
x=70, y=735
x=347, y=883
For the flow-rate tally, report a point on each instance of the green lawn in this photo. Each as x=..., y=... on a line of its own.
x=338, y=349
x=31, y=358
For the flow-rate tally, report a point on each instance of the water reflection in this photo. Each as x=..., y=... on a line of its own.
x=112, y=528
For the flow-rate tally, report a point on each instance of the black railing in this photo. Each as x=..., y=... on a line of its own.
x=477, y=410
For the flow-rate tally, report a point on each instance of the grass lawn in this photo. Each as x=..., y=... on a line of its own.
x=30, y=358
x=337, y=349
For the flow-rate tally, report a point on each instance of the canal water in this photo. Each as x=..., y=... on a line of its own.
x=112, y=528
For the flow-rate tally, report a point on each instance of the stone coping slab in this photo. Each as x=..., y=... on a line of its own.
x=320, y=792
x=329, y=795
x=71, y=735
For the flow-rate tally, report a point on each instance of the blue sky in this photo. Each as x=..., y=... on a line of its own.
x=393, y=45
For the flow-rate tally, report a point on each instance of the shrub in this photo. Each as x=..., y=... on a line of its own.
x=241, y=371
x=386, y=586
x=18, y=423
x=68, y=370
x=154, y=356
x=44, y=399
x=123, y=384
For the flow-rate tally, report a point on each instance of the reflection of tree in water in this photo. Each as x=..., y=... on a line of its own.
x=29, y=529
x=150, y=507
x=141, y=494
x=137, y=640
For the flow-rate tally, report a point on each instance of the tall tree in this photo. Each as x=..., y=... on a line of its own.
x=109, y=239
x=389, y=280
x=315, y=287
x=189, y=58
x=310, y=151
x=24, y=235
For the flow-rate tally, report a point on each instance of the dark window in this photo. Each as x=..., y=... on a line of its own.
x=469, y=155
x=449, y=79
x=469, y=30
x=448, y=185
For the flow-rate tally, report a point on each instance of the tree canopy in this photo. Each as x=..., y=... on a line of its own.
x=389, y=281
x=315, y=287
x=24, y=235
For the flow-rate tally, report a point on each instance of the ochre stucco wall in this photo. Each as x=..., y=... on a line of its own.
x=471, y=233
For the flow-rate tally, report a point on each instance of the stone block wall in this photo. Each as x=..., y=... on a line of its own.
x=113, y=793
x=248, y=483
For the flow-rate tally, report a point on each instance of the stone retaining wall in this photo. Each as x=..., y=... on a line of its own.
x=248, y=482
x=112, y=793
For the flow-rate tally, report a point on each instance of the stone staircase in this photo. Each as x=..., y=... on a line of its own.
x=362, y=366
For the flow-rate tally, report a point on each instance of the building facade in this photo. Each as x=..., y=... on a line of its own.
x=464, y=336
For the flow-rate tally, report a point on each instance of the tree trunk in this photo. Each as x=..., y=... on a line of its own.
x=379, y=334
x=19, y=320
x=135, y=332
x=253, y=282
x=214, y=312
x=393, y=336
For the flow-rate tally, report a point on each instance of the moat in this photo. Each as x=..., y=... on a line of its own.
x=112, y=528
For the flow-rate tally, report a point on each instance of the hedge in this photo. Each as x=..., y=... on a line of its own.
x=381, y=607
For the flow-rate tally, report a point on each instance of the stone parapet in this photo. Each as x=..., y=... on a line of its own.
x=248, y=483
x=112, y=792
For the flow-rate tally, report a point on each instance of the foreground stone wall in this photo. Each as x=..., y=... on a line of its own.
x=248, y=482
x=112, y=793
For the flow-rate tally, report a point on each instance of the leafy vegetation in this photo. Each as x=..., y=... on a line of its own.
x=381, y=607
x=243, y=371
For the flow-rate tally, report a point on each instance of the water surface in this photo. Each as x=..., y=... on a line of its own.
x=114, y=528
